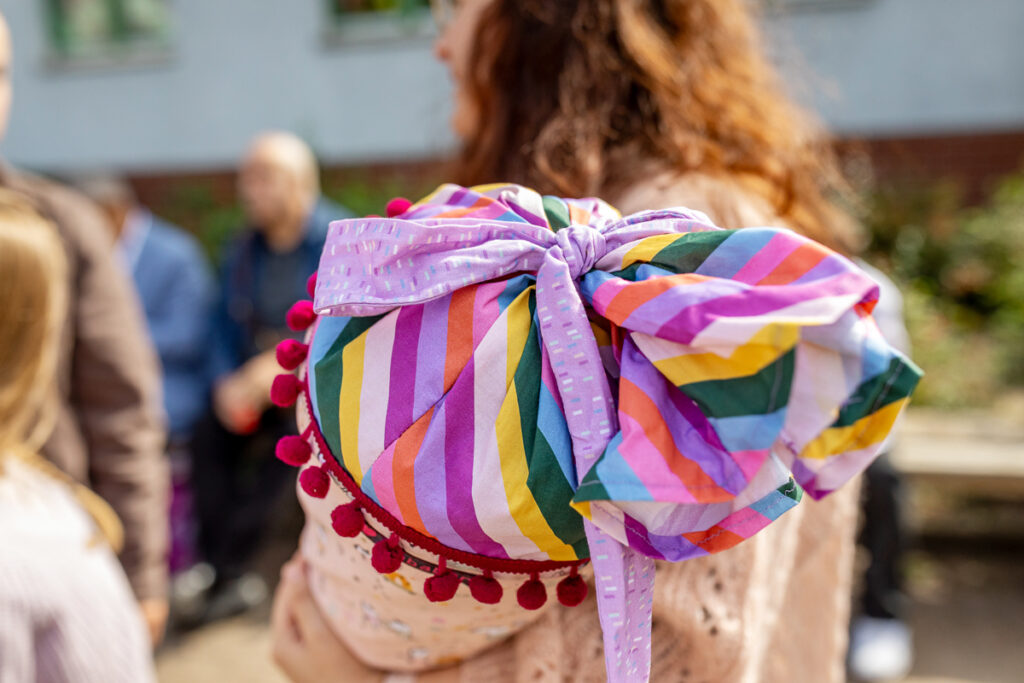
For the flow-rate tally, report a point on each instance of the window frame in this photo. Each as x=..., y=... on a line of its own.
x=376, y=26
x=121, y=49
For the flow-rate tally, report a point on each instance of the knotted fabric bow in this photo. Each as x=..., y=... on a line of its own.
x=672, y=383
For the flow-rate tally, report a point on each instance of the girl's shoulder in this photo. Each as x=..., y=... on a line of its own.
x=725, y=202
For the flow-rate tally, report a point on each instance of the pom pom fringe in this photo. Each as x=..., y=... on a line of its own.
x=486, y=589
x=285, y=390
x=315, y=481
x=300, y=316
x=387, y=555
x=293, y=450
x=532, y=594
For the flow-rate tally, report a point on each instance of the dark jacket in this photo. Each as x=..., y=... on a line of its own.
x=246, y=321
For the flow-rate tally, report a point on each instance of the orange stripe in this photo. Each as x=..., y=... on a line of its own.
x=460, y=334
x=456, y=213
x=402, y=467
x=578, y=215
x=630, y=297
x=796, y=265
x=639, y=406
x=715, y=539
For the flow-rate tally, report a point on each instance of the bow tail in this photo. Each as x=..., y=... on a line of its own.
x=624, y=578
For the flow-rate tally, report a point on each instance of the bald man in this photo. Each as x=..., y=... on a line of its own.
x=263, y=273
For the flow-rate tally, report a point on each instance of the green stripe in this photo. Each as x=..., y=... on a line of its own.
x=545, y=478
x=792, y=490
x=329, y=371
x=687, y=253
x=762, y=393
x=557, y=213
x=895, y=384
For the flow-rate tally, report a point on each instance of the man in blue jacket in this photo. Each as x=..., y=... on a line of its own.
x=264, y=272
x=174, y=284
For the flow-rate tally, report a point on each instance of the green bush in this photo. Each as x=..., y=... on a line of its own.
x=959, y=269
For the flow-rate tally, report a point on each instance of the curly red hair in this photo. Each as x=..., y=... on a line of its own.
x=578, y=94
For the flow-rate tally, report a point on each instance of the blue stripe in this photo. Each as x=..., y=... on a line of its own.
x=734, y=253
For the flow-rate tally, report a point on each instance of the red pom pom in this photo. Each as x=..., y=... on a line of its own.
x=387, y=555
x=532, y=594
x=311, y=285
x=572, y=590
x=347, y=520
x=285, y=390
x=397, y=206
x=486, y=589
x=300, y=316
x=314, y=481
x=290, y=353
x=373, y=215
x=441, y=587
x=293, y=450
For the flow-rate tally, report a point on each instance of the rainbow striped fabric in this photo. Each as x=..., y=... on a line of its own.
x=537, y=378
x=741, y=366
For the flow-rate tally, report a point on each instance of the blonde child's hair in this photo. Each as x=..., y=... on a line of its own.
x=33, y=304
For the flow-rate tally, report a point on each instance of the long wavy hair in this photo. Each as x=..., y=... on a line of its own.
x=33, y=303
x=579, y=97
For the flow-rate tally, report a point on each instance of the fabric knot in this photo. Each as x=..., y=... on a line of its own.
x=582, y=246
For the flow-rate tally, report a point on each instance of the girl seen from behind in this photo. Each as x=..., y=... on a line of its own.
x=66, y=611
x=647, y=104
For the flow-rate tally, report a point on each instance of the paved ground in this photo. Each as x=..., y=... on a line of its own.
x=965, y=575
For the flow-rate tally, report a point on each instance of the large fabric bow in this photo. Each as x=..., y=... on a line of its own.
x=688, y=381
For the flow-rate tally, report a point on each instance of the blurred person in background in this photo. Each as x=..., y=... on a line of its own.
x=66, y=610
x=109, y=432
x=881, y=643
x=173, y=281
x=264, y=271
x=648, y=104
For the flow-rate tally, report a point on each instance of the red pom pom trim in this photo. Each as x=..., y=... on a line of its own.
x=285, y=390
x=300, y=316
x=314, y=481
x=532, y=594
x=397, y=206
x=293, y=450
x=387, y=555
x=311, y=285
x=486, y=589
x=572, y=590
x=347, y=520
x=443, y=585
x=399, y=530
x=290, y=353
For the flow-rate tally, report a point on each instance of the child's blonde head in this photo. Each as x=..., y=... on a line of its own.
x=32, y=306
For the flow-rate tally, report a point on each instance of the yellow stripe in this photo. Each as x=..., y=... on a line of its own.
x=865, y=432
x=583, y=507
x=764, y=348
x=484, y=189
x=648, y=248
x=521, y=503
x=348, y=404
x=519, y=323
x=600, y=335
x=508, y=427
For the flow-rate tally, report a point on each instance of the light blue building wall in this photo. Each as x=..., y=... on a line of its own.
x=873, y=68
